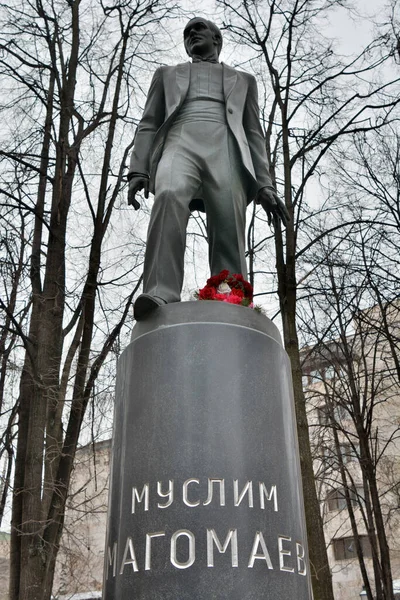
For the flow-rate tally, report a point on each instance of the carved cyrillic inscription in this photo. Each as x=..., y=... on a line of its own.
x=279, y=553
x=239, y=548
x=220, y=492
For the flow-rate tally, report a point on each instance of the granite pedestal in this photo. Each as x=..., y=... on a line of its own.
x=205, y=493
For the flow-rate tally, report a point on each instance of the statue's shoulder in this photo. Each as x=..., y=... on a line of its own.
x=168, y=69
x=241, y=74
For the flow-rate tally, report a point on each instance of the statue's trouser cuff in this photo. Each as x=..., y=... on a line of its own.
x=200, y=160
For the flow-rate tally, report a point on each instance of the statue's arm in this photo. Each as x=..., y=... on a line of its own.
x=266, y=195
x=255, y=135
x=152, y=119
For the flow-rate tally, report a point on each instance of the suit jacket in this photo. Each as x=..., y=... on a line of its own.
x=166, y=95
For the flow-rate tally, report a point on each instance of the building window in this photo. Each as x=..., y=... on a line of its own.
x=311, y=376
x=329, y=372
x=314, y=376
x=345, y=548
x=323, y=415
x=336, y=499
x=339, y=413
x=348, y=452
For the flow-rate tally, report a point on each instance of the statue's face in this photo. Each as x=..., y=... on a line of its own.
x=199, y=39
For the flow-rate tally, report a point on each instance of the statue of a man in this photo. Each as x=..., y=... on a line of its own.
x=199, y=145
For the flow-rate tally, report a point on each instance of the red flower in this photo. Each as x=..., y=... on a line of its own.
x=241, y=292
x=215, y=280
x=233, y=299
x=237, y=292
x=207, y=293
x=222, y=297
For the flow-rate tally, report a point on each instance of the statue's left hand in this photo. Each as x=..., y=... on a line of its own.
x=137, y=182
x=273, y=205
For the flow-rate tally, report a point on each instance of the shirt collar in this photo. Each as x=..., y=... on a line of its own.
x=211, y=59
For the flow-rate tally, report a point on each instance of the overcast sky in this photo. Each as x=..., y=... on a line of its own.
x=352, y=31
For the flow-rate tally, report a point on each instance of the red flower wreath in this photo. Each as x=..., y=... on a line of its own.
x=227, y=288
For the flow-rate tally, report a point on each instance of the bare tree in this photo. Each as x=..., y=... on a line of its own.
x=15, y=304
x=314, y=99
x=353, y=321
x=80, y=560
x=73, y=74
x=354, y=357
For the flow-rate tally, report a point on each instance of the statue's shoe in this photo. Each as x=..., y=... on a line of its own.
x=145, y=304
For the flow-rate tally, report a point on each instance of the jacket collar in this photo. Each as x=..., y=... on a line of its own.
x=183, y=79
x=229, y=79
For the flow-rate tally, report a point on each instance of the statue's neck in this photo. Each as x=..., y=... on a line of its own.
x=210, y=58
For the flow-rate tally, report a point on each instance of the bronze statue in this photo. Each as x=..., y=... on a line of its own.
x=199, y=145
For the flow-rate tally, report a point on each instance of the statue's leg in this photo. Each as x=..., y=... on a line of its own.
x=176, y=182
x=224, y=188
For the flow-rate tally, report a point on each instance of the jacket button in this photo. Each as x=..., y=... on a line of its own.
x=230, y=110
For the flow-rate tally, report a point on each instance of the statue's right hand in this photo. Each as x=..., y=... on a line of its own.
x=136, y=184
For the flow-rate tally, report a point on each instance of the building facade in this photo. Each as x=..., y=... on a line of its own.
x=353, y=397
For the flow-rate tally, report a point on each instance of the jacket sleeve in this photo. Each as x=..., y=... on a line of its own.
x=151, y=121
x=255, y=135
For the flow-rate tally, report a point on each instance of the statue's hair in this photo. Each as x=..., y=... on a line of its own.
x=214, y=29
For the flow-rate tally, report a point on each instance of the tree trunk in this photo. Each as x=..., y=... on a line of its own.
x=321, y=576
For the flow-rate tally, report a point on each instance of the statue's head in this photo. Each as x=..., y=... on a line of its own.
x=202, y=37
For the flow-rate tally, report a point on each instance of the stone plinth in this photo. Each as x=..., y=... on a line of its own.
x=205, y=497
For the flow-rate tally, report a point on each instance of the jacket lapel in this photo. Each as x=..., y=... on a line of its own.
x=182, y=81
x=229, y=79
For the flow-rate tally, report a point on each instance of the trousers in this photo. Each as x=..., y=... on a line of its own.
x=200, y=159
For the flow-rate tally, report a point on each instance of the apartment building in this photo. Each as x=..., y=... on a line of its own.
x=353, y=397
